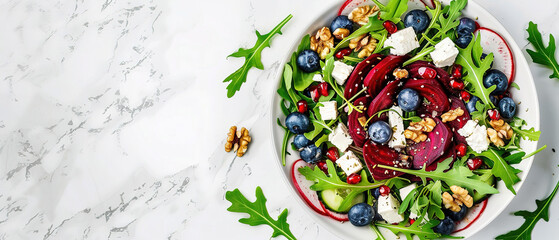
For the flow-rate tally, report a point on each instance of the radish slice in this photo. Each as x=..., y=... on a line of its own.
x=303, y=187
x=429, y=3
x=342, y=217
x=492, y=42
x=471, y=217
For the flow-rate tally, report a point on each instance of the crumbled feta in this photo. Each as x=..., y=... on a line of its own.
x=340, y=137
x=476, y=136
x=318, y=78
x=349, y=163
x=398, y=139
x=402, y=42
x=388, y=209
x=341, y=72
x=329, y=110
x=445, y=53
x=406, y=190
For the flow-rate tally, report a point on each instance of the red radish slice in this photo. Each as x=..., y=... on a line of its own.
x=342, y=217
x=471, y=217
x=492, y=42
x=429, y=3
x=303, y=187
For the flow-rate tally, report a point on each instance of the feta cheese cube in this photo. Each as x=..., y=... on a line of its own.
x=405, y=191
x=402, y=42
x=329, y=111
x=398, y=140
x=318, y=78
x=445, y=53
x=476, y=136
x=468, y=128
x=340, y=137
x=341, y=72
x=349, y=163
x=388, y=208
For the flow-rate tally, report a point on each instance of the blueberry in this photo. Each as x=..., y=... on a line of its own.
x=311, y=154
x=376, y=192
x=417, y=19
x=377, y=217
x=464, y=40
x=467, y=26
x=298, y=123
x=408, y=100
x=380, y=132
x=457, y=216
x=341, y=21
x=471, y=105
x=300, y=141
x=507, y=107
x=308, y=61
x=494, y=100
x=497, y=78
x=445, y=227
x=361, y=214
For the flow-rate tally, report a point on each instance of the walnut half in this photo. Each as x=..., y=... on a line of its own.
x=361, y=14
x=416, y=131
x=237, y=140
x=452, y=115
x=322, y=42
x=462, y=195
x=363, y=44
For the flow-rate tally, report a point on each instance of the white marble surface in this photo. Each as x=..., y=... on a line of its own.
x=114, y=118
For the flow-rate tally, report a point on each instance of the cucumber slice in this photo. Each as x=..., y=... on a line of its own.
x=333, y=198
x=489, y=179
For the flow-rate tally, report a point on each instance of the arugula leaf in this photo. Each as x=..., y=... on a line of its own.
x=258, y=214
x=324, y=182
x=448, y=20
x=501, y=168
x=458, y=175
x=377, y=232
x=422, y=231
x=475, y=67
x=543, y=55
x=531, y=218
x=252, y=58
x=286, y=137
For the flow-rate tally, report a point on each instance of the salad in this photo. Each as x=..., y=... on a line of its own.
x=403, y=117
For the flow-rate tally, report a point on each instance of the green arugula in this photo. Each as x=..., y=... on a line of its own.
x=377, y=232
x=425, y=198
x=448, y=19
x=258, y=214
x=458, y=175
x=530, y=134
x=480, y=114
x=286, y=137
x=422, y=231
x=543, y=55
x=475, y=67
x=501, y=168
x=252, y=58
x=333, y=181
x=531, y=218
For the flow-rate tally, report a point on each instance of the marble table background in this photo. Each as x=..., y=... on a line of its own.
x=114, y=118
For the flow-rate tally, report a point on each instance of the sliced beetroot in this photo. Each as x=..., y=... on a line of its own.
x=426, y=152
x=303, y=187
x=450, y=152
x=385, y=98
x=354, y=83
x=375, y=154
x=442, y=76
x=356, y=131
x=381, y=73
x=431, y=90
x=460, y=121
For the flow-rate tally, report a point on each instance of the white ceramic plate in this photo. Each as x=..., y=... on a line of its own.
x=528, y=109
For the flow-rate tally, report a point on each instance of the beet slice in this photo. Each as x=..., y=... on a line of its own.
x=442, y=76
x=431, y=90
x=385, y=98
x=379, y=75
x=382, y=154
x=354, y=83
x=356, y=131
x=460, y=121
x=426, y=152
x=450, y=152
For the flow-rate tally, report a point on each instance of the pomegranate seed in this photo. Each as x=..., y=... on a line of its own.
x=302, y=106
x=456, y=84
x=474, y=163
x=412, y=221
x=390, y=27
x=332, y=154
x=461, y=150
x=457, y=71
x=314, y=93
x=384, y=190
x=493, y=114
x=465, y=96
x=342, y=53
x=427, y=72
x=323, y=88
x=354, y=178
x=322, y=166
